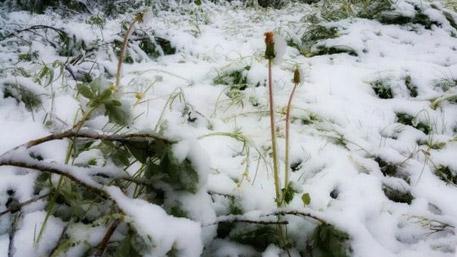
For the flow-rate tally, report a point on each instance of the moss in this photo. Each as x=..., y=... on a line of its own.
x=409, y=120
x=446, y=174
x=382, y=89
x=397, y=196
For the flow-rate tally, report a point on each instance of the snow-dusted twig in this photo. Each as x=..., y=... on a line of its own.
x=279, y=212
x=61, y=237
x=243, y=219
x=132, y=137
x=104, y=243
x=20, y=205
x=296, y=213
x=12, y=233
x=91, y=134
x=70, y=172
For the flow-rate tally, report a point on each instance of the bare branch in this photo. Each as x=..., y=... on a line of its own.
x=235, y=219
x=104, y=243
x=296, y=213
x=19, y=207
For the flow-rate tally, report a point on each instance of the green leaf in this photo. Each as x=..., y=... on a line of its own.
x=116, y=113
x=198, y=2
x=142, y=150
x=180, y=175
x=328, y=241
x=85, y=91
x=306, y=198
x=105, y=96
x=288, y=193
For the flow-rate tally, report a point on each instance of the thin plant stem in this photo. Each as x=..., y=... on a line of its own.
x=122, y=54
x=273, y=135
x=286, y=158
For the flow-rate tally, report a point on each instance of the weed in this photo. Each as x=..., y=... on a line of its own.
x=410, y=86
x=30, y=99
x=387, y=168
x=382, y=89
x=236, y=79
x=410, y=120
x=446, y=174
x=397, y=196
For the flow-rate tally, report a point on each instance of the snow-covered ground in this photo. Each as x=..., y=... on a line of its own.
x=355, y=153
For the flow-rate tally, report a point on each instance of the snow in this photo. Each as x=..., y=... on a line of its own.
x=339, y=126
x=164, y=231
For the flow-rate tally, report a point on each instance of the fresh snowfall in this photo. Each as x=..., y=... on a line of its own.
x=308, y=128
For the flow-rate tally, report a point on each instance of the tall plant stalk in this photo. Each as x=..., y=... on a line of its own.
x=296, y=81
x=138, y=19
x=270, y=55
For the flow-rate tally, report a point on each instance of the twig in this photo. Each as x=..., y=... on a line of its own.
x=34, y=27
x=104, y=243
x=72, y=133
x=11, y=235
x=62, y=235
x=240, y=219
x=297, y=213
x=55, y=169
x=32, y=200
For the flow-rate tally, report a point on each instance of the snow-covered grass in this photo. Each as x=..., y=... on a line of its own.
x=176, y=157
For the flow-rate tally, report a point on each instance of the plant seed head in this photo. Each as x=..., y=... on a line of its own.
x=139, y=17
x=270, y=46
x=297, y=76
